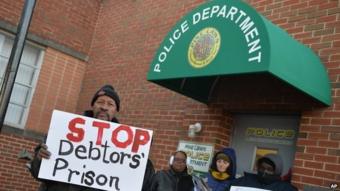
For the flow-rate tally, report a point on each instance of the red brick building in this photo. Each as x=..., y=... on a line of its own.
x=77, y=46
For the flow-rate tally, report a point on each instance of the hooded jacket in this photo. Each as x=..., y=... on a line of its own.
x=222, y=185
x=255, y=180
x=49, y=185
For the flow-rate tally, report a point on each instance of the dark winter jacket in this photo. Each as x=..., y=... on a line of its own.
x=48, y=185
x=251, y=180
x=148, y=176
x=221, y=185
x=275, y=184
x=168, y=180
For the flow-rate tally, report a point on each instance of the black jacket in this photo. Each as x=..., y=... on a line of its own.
x=148, y=176
x=168, y=180
x=251, y=180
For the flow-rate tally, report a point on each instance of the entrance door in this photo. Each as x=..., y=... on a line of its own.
x=257, y=135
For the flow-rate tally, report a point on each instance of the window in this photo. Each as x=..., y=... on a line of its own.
x=25, y=81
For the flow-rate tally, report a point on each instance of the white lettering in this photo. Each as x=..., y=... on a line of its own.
x=157, y=68
x=205, y=13
x=251, y=34
x=254, y=46
x=167, y=49
x=222, y=12
x=176, y=37
x=162, y=57
x=232, y=12
x=184, y=26
x=245, y=25
x=258, y=58
x=172, y=41
x=214, y=10
x=242, y=14
x=196, y=18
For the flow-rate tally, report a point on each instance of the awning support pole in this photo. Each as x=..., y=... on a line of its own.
x=14, y=59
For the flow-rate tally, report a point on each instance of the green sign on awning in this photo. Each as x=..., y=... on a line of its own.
x=228, y=37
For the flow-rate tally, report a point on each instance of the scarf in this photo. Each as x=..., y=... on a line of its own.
x=219, y=175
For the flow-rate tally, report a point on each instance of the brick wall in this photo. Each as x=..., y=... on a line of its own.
x=316, y=23
x=131, y=35
x=58, y=87
x=13, y=172
x=68, y=22
x=124, y=44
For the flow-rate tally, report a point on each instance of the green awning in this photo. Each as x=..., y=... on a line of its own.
x=228, y=37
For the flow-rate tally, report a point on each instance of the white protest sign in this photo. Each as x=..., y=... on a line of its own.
x=95, y=153
x=243, y=188
x=199, y=155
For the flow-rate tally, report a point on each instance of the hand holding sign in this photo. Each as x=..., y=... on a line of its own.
x=43, y=152
x=95, y=153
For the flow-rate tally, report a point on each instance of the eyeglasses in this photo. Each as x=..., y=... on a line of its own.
x=179, y=160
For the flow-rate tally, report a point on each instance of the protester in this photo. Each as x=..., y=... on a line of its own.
x=222, y=170
x=176, y=178
x=269, y=170
x=105, y=105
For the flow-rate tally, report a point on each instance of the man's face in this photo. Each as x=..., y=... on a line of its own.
x=179, y=163
x=266, y=168
x=222, y=165
x=104, y=108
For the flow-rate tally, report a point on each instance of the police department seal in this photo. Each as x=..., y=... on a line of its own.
x=204, y=47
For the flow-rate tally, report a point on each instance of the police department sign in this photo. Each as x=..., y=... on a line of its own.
x=202, y=34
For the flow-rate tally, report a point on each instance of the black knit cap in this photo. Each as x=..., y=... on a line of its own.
x=107, y=90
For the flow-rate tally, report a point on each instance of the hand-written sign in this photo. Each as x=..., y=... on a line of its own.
x=95, y=153
x=199, y=155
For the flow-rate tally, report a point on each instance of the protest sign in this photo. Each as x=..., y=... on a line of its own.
x=95, y=153
x=199, y=155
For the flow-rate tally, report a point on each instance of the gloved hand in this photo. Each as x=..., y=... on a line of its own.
x=42, y=152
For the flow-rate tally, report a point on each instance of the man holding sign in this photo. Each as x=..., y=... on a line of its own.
x=84, y=143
